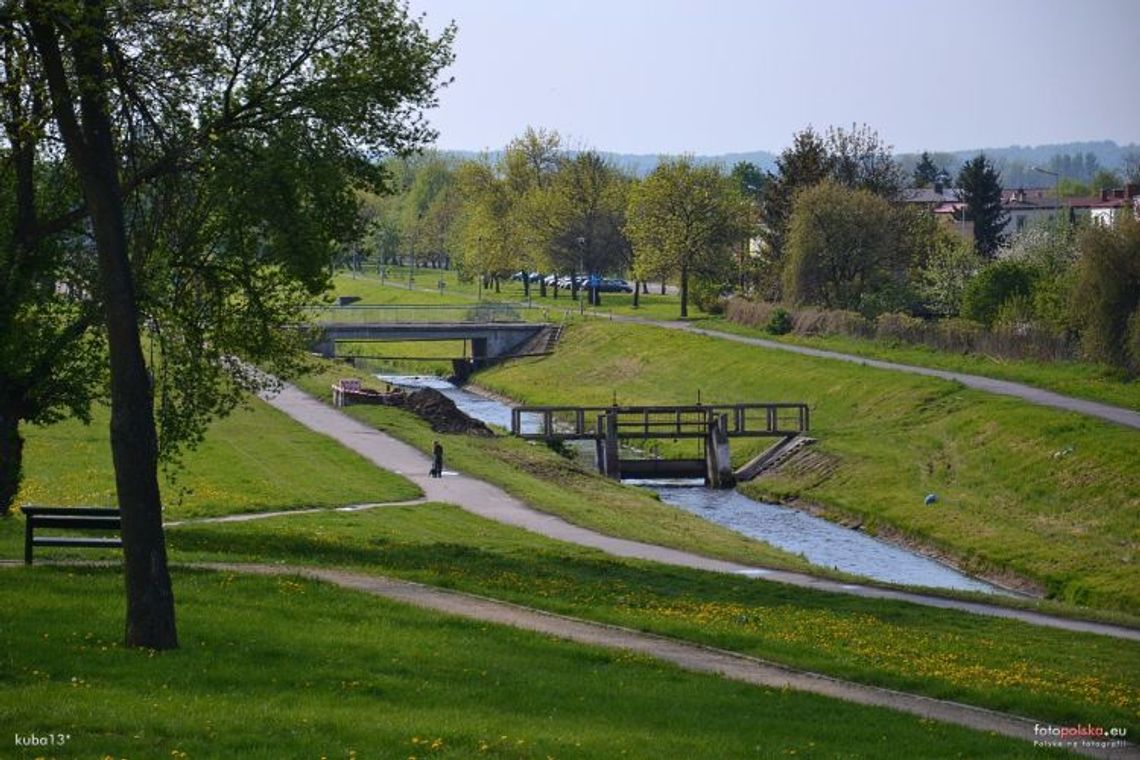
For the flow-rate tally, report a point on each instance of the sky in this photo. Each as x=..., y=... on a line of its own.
x=710, y=77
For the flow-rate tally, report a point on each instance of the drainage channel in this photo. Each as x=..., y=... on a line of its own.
x=819, y=541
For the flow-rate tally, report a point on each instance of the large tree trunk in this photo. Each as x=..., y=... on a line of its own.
x=134, y=443
x=11, y=457
x=684, y=291
x=636, y=294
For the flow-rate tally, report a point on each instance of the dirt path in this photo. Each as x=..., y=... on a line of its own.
x=693, y=657
x=493, y=503
x=1119, y=415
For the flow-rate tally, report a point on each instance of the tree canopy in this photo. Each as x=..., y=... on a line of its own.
x=842, y=246
x=684, y=221
x=213, y=150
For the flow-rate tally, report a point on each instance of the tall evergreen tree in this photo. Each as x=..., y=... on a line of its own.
x=980, y=184
x=926, y=173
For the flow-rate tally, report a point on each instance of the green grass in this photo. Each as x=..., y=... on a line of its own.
x=992, y=662
x=554, y=484
x=1079, y=379
x=279, y=667
x=429, y=357
x=257, y=459
x=1007, y=503
x=395, y=290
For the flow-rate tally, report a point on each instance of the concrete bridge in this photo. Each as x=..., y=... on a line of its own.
x=609, y=427
x=488, y=331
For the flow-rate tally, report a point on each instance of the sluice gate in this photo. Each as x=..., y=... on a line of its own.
x=611, y=427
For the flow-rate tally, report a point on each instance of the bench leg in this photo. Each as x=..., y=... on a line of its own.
x=27, y=540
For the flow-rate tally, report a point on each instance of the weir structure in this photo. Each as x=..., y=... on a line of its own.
x=613, y=428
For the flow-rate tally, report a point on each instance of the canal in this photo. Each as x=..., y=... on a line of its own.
x=819, y=541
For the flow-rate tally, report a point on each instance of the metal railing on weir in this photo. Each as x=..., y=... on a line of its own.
x=564, y=423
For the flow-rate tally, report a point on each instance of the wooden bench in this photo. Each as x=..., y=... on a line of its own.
x=70, y=519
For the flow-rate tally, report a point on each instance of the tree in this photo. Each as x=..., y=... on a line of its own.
x=802, y=165
x=487, y=231
x=1106, y=298
x=858, y=158
x=842, y=247
x=684, y=221
x=1104, y=179
x=48, y=340
x=1130, y=166
x=585, y=215
x=927, y=172
x=950, y=265
x=216, y=147
x=980, y=184
x=855, y=158
x=749, y=179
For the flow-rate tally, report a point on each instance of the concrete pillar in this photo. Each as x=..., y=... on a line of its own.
x=612, y=455
x=718, y=457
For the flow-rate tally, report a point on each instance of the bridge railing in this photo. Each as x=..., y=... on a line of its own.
x=416, y=313
x=561, y=423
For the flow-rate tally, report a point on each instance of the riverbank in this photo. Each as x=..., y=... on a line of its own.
x=1023, y=491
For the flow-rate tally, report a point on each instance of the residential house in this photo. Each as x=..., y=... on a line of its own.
x=1112, y=200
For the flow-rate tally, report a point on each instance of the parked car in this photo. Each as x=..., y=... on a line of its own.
x=614, y=285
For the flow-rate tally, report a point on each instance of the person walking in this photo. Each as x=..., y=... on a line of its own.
x=436, y=460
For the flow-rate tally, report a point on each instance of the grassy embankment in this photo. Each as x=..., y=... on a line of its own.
x=1048, y=674
x=278, y=667
x=255, y=460
x=1079, y=379
x=1010, y=499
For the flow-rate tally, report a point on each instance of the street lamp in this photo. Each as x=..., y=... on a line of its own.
x=1057, y=185
x=482, y=254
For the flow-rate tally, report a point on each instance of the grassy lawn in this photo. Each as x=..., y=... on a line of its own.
x=395, y=290
x=257, y=459
x=278, y=667
x=1079, y=379
x=1009, y=499
x=1001, y=664
x=429, y=357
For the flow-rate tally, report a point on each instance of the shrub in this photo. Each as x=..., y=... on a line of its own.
x=956, y=334
x=780, y=323
x=993, y=286
x=902, y=328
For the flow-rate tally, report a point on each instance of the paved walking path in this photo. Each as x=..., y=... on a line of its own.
x=1117, y=414
x=493, y=503
x=689, y=656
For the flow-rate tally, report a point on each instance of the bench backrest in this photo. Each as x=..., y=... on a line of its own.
x=35, y=511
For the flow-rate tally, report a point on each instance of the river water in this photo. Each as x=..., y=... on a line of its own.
x=817, y=540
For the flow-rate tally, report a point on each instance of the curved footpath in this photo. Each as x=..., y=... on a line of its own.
x=688, y=656
x=1117, y=414
x=495, y=504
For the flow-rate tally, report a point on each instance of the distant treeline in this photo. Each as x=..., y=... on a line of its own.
x=1078, y=161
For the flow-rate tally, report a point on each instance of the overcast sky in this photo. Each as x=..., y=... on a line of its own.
x=721, y=76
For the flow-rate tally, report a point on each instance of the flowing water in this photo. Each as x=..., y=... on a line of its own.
x=819, y=541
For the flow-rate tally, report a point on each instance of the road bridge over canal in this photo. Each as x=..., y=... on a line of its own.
x=609, y=427
x=488, y=331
